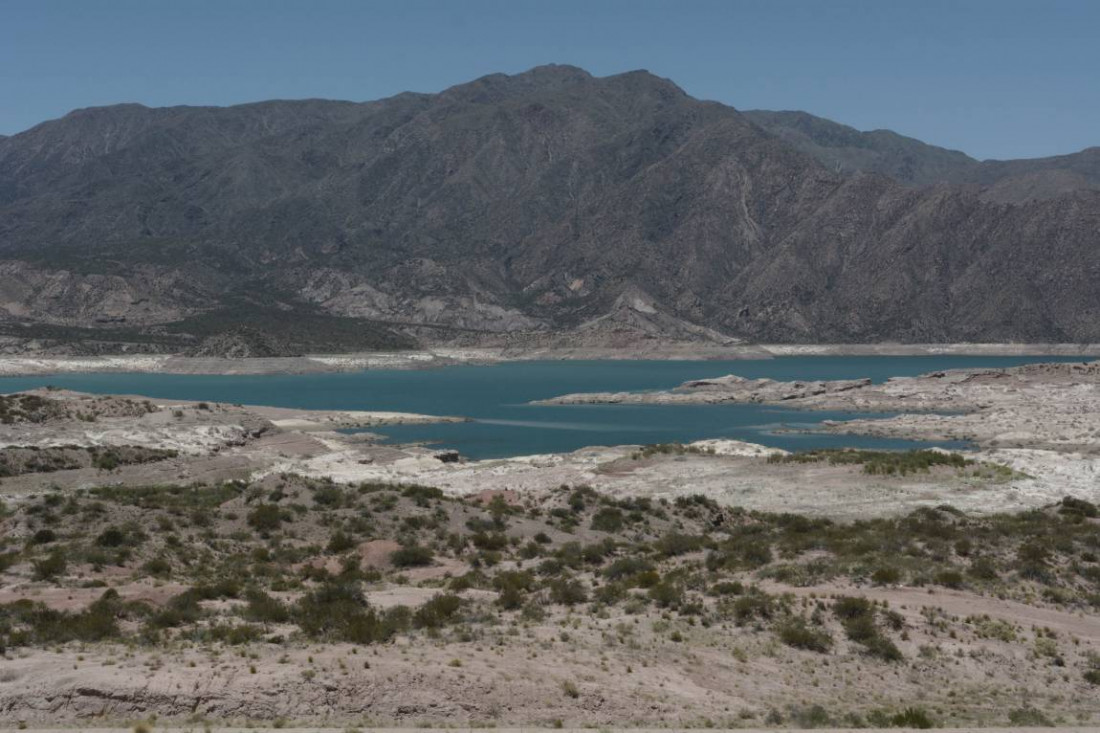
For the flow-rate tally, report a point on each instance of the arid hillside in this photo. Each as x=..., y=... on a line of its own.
x=518, y=207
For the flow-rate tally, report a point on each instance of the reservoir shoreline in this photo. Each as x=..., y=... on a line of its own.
x=35, y=365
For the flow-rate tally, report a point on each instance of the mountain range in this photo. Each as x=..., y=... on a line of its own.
x=550, y=206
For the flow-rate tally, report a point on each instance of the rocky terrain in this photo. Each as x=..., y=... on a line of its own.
x=842, y=148
x=1046, y=406
x=544, y=209
x=1040, y=419
x=206, y=564
x=290, y=600
x=242, y=343
x=730, y=388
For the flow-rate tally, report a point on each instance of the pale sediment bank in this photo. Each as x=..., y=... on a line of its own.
x=221, y=442
x=728, y=389
x=1042, y=420
x=164, y=364
x=29, y=365
x=1036, y=406
x=173, y=728
x=189, y=427
x=961, y=349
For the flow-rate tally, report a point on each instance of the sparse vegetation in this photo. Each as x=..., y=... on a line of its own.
x=412, y=556
x=277, y=561
x=675, y=449
x=882, y=463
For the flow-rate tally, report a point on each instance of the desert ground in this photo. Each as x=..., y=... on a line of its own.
x=203, y=564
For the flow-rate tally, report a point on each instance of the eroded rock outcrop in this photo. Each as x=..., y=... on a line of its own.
x=730, y=388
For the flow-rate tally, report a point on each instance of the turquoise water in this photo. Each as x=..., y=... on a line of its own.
x=504, y=425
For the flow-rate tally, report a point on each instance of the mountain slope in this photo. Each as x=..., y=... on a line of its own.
x=905, y=159
x=542, y=202
x=845, y=149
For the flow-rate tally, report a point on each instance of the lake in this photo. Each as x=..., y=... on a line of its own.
x=504, y=424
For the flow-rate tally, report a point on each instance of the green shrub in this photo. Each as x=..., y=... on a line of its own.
x=847, y=608
x=983, y=568
x=264, y=608
x=886, y=576
x=568, y=592
x=28, y=622
x=610, y=593
x=673, y=449
x=666, y=594
x=43, y=537
x=1028, y=717
x=232, y=634
x=912, y=717
x=1033, y=553
x=857, y=616
x=950, y=579
x=158, y=567
x=860, y=629
x=266, y=518
x=339, y=612
x=608, y=519
x=492, y=542
x=595, y=554
x=441, y=609
x=626, y=567
x=726, y=588
x=744, y=554
x=51, y=566
x=422, y=495
x=181, y=609
x=795, y=632
x=814, y=716
x=882, y=463
x=412, y=556
x=107, y=461
x=1078, y=507
x=329, y=496
x=113, y=537
x=677, y=543
x=883, y=648
x=339, y=542
x=513, y=586
x=755, y=605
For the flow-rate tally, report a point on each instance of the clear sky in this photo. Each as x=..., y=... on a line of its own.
x=994, y=78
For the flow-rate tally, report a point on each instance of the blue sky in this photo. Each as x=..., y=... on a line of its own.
x=992, y=78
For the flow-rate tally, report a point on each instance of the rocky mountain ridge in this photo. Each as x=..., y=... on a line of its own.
x=905, y=159
x=548, y=204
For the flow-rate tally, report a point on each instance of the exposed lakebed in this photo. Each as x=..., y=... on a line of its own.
x=502, y=423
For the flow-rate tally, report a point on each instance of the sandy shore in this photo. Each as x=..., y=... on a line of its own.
x=23, y=365
x=220, y=442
